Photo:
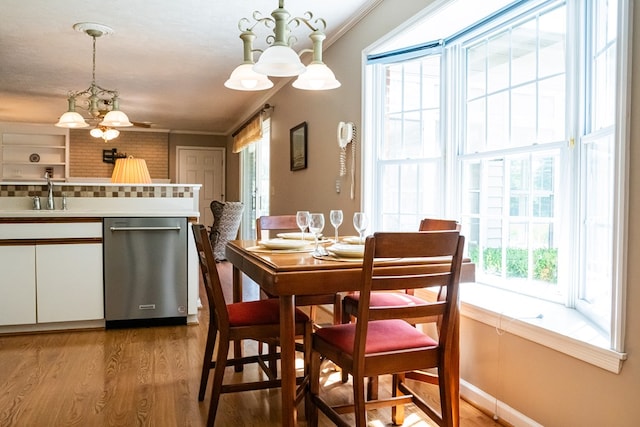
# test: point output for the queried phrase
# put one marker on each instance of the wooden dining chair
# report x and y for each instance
(393, 299)
(282, 223)
(382, 342)
(406, 297)
(254, 320)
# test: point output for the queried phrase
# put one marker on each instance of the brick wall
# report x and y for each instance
(85, 152)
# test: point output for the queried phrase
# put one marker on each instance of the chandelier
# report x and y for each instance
(279, 59)
(102, 104)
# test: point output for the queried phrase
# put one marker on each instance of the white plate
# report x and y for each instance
(283, 244)
(347, 251)
(297, 236)
(354, 240)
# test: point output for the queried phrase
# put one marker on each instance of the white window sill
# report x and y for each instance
(548, 324)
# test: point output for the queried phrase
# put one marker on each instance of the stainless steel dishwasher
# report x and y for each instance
(145, 271)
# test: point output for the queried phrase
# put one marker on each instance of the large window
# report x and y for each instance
(514, 126)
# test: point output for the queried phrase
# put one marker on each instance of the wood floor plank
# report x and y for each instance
(139, 377)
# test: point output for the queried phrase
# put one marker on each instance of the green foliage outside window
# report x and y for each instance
(545, 262)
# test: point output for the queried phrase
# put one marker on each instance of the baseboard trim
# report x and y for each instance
(488, 404)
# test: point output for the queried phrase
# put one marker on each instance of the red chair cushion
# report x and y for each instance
(263, 312)
(386, 299)
(383, 335)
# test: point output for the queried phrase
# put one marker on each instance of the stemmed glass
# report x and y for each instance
(302, 219)
(316, 224)
(360, 223)
(335, 216)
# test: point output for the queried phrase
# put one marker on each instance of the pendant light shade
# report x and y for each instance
(279, 61)
(71, 119)
(317, 77)
(244, 78)
(116, 118)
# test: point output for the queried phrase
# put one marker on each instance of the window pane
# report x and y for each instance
(498, 120)
(476, 71)
(552, 36)
(524, 44)
(410, 192)
(498, 60)
(394, 86)
(551, 110)
(523, 115)
(476, 126)
(598, 228)
(431, 82)
(412, 90)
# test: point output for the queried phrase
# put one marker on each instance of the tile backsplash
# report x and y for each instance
(173, 191)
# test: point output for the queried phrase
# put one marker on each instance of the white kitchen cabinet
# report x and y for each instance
(50, 272)
(69, 282)
(17, 285)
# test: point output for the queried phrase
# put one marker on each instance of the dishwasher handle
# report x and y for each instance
(175, 228)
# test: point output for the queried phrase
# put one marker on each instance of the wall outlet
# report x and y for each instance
(338, 183)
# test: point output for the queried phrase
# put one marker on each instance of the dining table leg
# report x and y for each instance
(237, 297)
(288, 360)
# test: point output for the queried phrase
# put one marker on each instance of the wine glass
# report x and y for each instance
(302, 219)
(360, 222)
(335, 216)
(316, 224)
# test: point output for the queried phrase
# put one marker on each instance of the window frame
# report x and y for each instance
(609, 358)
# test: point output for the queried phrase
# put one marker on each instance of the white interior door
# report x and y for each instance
(205, 166)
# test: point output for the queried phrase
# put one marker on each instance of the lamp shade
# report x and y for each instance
(244, 78)
(317, 77)
(71, 119)
(131, 171)
(115, 118)
(279, 61)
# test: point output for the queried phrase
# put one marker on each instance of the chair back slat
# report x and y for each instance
(418, 272)
(411, 281)
(433, 224)
(414, 245)
(275, 223)
(218, 314)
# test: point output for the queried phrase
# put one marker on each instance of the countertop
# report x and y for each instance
(87, 213)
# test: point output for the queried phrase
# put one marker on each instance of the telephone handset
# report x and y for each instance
(346, 135)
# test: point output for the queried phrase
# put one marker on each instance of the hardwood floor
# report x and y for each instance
(139, 377)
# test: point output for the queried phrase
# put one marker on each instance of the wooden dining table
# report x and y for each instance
(285, 275)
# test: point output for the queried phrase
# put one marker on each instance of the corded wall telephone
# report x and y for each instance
(346, 135)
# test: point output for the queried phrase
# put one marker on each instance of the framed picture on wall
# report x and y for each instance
(298, 146)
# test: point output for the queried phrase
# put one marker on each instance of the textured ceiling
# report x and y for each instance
(168, 59)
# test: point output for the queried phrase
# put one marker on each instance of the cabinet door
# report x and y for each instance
(69, 282)
(17, 285)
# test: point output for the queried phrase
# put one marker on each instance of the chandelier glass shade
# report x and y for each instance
(244, 77)
(104, 132)
(279, 59)
(102, 104)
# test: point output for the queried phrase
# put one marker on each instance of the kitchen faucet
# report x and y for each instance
(50, 201)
